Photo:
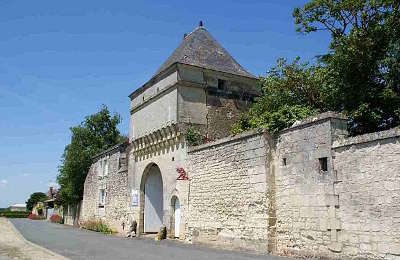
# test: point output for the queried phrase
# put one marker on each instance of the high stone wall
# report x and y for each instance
(228, 201)
(368, 170)
(311, 192)
(305, 196)
(274, 195)
(115, 184)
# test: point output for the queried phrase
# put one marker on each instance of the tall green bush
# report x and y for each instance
(96, 133)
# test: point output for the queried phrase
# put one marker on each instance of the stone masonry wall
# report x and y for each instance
(222, 113)
(311, 191)
(115, 184)
(368, 169)
(228, 201)
(90, 201)
(305, 197)
(167, 158)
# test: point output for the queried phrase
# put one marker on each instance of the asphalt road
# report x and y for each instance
(82, 244)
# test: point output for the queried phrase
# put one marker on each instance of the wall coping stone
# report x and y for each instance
(112, 150)
(366, 138)
(299, 124)
(225, 140)
(314, 119)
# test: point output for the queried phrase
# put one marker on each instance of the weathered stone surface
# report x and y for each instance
(228, 193)
(305, 199)
(115, 184)
(368, 169)
(251, 191)
(162, 234)
(348, 211)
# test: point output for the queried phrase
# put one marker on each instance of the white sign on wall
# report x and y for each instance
(135, 198)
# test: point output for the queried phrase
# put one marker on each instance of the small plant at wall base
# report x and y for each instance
(193, 137)
(98, 226)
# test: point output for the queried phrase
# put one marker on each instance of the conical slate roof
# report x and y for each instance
(200, 49)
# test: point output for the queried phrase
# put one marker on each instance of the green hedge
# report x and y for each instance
(14, 214)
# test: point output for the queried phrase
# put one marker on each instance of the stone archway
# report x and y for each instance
(152, 202)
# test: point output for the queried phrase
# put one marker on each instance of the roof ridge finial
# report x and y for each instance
(201, 23)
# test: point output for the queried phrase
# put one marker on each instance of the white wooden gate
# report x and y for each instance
(153, 204)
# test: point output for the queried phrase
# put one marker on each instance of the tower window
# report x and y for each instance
(221, 84)
(323, 164)
(284, 162)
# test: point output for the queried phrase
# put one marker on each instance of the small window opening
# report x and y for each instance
(158, 90)
(221, 84)
(173, 158)
(143, 98)
(102, 198)
(284, 161)
(323, 164)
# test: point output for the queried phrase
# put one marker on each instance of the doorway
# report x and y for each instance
(153, 200)
(177, 217)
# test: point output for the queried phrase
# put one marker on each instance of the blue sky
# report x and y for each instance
(60, 60)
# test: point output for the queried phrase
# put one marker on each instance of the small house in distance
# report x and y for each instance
(18, 207)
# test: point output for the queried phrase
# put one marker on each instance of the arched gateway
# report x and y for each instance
(153, 199)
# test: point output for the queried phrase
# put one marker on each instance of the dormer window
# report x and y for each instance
(221, 84)
(323, 164)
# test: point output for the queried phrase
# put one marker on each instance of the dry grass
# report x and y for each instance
(97, 225)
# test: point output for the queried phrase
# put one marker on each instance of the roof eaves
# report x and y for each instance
(151, 81)
(212, 69)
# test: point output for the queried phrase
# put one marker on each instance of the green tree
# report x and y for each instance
(290, 92)
(35, 198)
(96, 133)
(364, 57)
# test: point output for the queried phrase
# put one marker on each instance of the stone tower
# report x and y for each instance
(199, 86)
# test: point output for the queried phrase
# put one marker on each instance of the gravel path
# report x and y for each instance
(82, 244)
(14, 246)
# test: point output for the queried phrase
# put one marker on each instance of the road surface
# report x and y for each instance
(14, 247)
(82, 244)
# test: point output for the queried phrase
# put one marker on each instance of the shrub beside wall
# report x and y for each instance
(14, 214)
(56, 219)
(36, 217)
(98, 226)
